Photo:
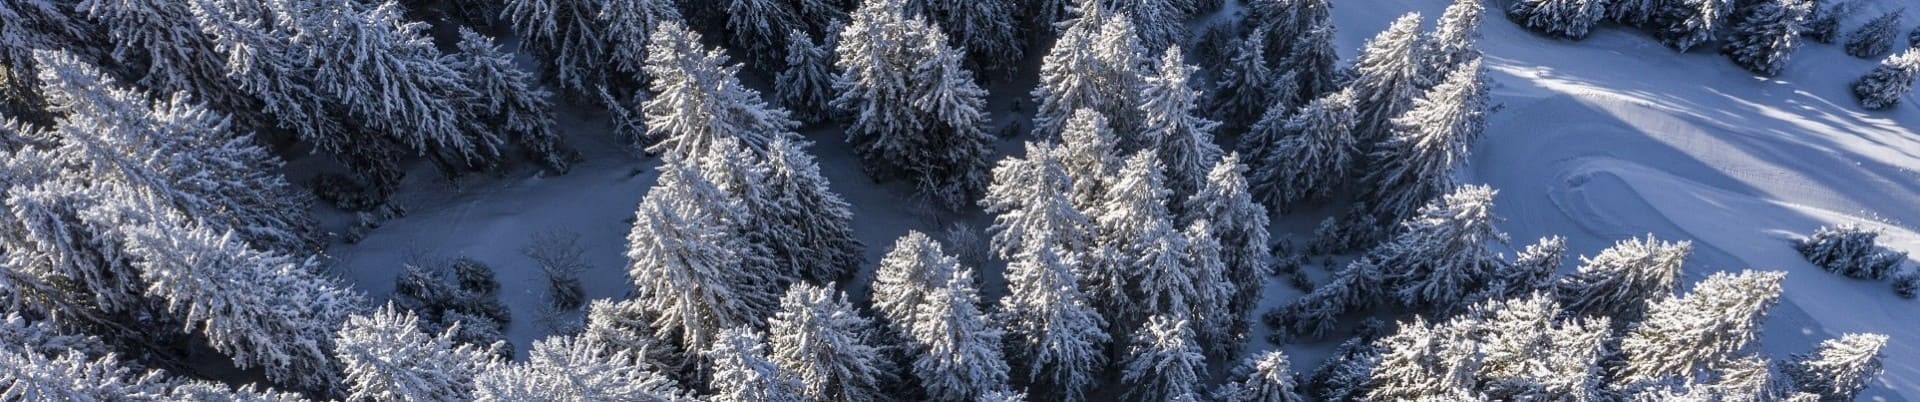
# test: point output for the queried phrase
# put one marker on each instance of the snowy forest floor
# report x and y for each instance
(1599, 140)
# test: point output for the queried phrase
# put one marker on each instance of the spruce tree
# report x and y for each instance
(1720, 318)
(1876, 37)
(386, 356)
(1850, 250)
(1682, 24)
(1134, 223)
(1441, 255)
(1286, 20)
(907, 275)
(1055, 332)
(805, 87)
(567, 368)
(1240, 226)
(1164, 362)
(812, 226)
(1532, 271)
(1090, 155)
(1096, 63)
(1570, 19)
(1182, 140)
(915, 109)
(1890, 81)
(1623, 280)
(697, 100)
(1213, 322)
(1266, 377)
(689, 264)
(1307, 156)
(1386, 79)
(958, 348)
(1765, 34)
(761, 28)
(1454, 41)
(1032, 202)
(1416, 163)
(511, 101)
(1840, 368)
(1823, 22)
(740, 371)
(984, 28)
(829, 348)
(1313, 63)
(1245, 87)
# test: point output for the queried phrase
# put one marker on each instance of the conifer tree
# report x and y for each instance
(741, 371)
(818, 339)
(805, 87)
(697, 100)
(568, 368)
(1441, 255)
(1240, 226)
(690, 266)
(1454, 41)
(1245, 87)
(37, 363)
(1682, 24)
(1090, 155)
(1164, 362)
(1532, 271)
(958, 347)
(761, 28)
(911, 270)
(1850, 250)
(1032, 202)
(812, 226)
(915, 109)
(1876, 37)
(1055, 332)
(1096, 63)
(1286, 20)
(1633, 12)
(31, 25)
(1313, 63)
(1765, 34)
(1266, 377)
(1182, 140)
(1840, 368)
(1623, 280)
(1720, 318)
(160, 46)
(1306, 156)
(1387, 79)
(511, 101)
(1213, 322)
(1135, 224)
(984, 28)
(1416, 163)
(1823, 22)
(1890, 81)
(1570, 19)
(1158, 22)
(386, 356)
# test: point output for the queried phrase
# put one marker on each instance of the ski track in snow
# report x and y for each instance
(1599, 140)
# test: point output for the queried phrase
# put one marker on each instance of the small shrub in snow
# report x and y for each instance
(474, 276)
(1876, 37)
(1907, 284)
(559, 255)
(1887, 83)
(1850, 250)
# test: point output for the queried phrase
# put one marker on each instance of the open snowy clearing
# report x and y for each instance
(1599, 140)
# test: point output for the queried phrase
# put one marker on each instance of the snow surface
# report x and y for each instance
(1598, 140)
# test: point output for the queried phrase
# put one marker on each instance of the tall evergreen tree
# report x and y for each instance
(1307, 156)
(812, 226)
(1182, 140)
(1454, 42)
(1287, 20)
(1245, 87)
(1442, 255)
(1266, 377)
(697, 100)
(1032, 202)
(1135, 224)
(1165, 363)
(1387, 79)
(1570, 19)
(387, 357)
(1682, 24)
(1089, 153)
(1313, 62)
(690, 266)
(1213, 321)
(959, 355)
(805, 87)
(1096, 63)
(568, 368)
(916, 110)
(1416, 163)
(1840, 368)
(907, 276)
(1890, 81)
(1056, 334)
(740, 370)
(1823, 22)
(818, 339)
(984, 28)
(1623, 280)
(1240, 226)
(1765, 34)
(761, 28)
(1876, 37)
(510, 101)
(1719, 319)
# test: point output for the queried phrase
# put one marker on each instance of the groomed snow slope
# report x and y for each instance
(1599, 140)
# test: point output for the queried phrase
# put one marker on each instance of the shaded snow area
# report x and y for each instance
(1598, 140)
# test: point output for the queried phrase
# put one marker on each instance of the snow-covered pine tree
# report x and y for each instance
(1032, 202)
(212, 173)
(1387, 79)
(31, 25)
(985, 28)
(1055, 332)
(1165, 363)
(1097, 63)
(1632, 12)
(1570, 19)
(1415, 165)
(1266, 377)
(761, 28)
(820, 341)
(159, 46)
(1245, 87)
(1426, 361)
(1747, 378)
(1180, 138)
(1313, 62)
(1531, 352)
(1623, 280)
(1823, 22)
(1681, 335)
(690, 265)
(567, 37)
(387, 357)
(1765, 34)
(1682, 24)
(510, 101)
(805, 87)
(625, 331)
(568, 368)
(1090, 155)
(697, 100)
(813, 225)
(1532, 271)
(907, 275)
(1890, 81)
(915, 109)
(1213, 322)
(40, 362)
(1286, 21)
(1840, 368)
(1345, 374)
(958, 347)
(1158, 22)
(1454, 41)
(1876, 37)
(740, 371)
(1850, 250)
(1240, 226)
(1134, 222)
(1308, 156)
(1442, 255)
(263, 309)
